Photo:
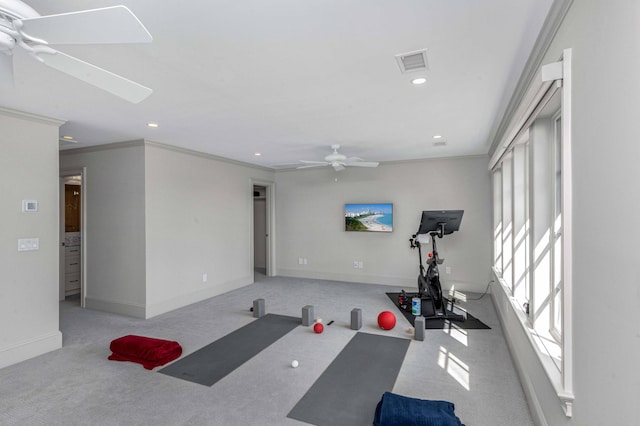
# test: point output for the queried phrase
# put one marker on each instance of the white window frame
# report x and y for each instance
(555, 329)
(561, 377)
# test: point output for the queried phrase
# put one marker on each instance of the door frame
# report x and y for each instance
(82, 172)
(270, 207)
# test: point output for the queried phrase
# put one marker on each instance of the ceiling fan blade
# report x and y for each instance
(319, 163)
(116, 24)
(308, 166)
(363, 164)
(6, 71)
(101, 78)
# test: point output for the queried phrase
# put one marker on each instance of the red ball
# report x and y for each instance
(386, 320)
(318, 328)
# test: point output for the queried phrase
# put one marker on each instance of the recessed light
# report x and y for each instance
(419, 80)
(437, 137)
(154, 125)
(67, 137)
(257, 154)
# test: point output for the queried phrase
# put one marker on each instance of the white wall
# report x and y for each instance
(605, 38)
(606, 102)
(199, 217)
(310, 221)
(115, 228)
(29, 324)
(158, 218)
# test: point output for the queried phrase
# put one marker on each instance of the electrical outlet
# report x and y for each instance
(304, 260)
(360, 264)
(448, 269)
(204, 277)
(300, 261)
(355, 264)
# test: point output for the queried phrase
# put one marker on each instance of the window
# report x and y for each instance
(507, 222)
(531, 227)
(497, 220)
(530, 206)
(556, 270)
(520, 279)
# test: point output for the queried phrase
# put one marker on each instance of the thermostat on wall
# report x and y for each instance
(29, 206)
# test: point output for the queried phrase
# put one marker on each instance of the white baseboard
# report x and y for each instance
(116, 307)
(507, 319)
(27, 349)
(153, 309)
(355, 278)
(407, 283)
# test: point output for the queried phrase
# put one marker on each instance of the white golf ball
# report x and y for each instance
(294, 363)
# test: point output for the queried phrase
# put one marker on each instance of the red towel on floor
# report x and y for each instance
(147, 351)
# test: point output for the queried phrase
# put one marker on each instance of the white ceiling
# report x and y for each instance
(288, 78)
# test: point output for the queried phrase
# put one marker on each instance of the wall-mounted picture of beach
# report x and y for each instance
(377, 217)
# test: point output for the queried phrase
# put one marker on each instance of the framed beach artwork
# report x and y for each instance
(376, 217)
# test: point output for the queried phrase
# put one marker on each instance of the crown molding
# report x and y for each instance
(552, 23)
(204, 155)
(31, 117)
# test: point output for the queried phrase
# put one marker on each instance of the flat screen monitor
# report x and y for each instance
(435, 220)
(371, 217)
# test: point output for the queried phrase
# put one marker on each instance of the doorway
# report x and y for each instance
(263, 247)
(259, 230)
(72, 221)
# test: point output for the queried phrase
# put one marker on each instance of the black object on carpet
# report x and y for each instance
(470, 323)
(213, 362)
(349, 389)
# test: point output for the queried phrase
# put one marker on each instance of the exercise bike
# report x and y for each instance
(435, 224)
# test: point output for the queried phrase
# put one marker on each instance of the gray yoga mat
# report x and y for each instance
(213, 362)
(350, 388)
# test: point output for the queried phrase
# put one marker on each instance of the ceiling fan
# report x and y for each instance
(338, 161)
(22, 26)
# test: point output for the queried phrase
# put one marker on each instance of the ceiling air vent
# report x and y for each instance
(413, 61)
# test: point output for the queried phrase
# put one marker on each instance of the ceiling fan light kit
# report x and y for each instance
(22, 26)
(338, 161)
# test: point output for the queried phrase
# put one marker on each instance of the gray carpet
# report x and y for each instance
(216, 360)
(347, 392)
(77, 385)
